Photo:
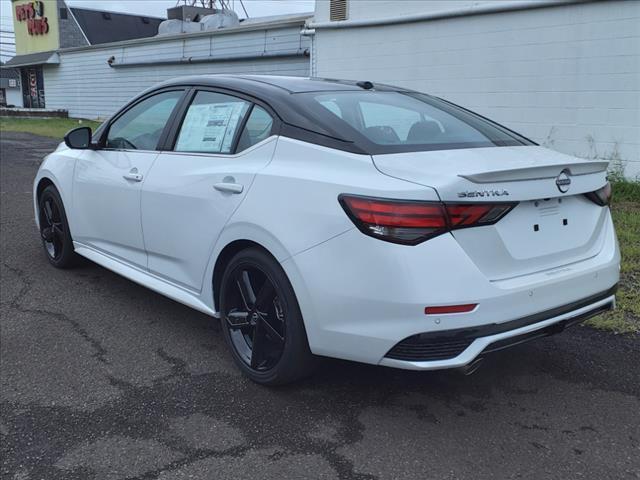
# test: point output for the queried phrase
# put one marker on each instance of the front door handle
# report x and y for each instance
(133, 175)
(229, 187)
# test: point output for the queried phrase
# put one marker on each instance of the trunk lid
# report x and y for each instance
(553, 223)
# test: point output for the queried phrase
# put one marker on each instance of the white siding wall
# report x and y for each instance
(14, 96)
(565, 76)
(85, 85)
(376, 9)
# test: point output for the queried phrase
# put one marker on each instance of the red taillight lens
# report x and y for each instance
(396, 221)
(444, 309)
(471, 215)
(602, 196)
(412, 222)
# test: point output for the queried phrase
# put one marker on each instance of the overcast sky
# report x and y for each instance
(156, 8)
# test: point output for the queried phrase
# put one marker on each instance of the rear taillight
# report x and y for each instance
(602, 196)
(411, 222)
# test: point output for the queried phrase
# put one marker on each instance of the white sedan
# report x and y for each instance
(334, 218)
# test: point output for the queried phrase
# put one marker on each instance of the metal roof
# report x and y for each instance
(39, 58)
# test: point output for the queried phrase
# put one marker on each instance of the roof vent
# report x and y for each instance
(187, 13)
(337, 10)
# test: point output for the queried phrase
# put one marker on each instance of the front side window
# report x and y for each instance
(211, 123)
(140, 127)
(406, 121)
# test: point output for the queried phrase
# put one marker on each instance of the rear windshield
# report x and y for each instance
(407, 121)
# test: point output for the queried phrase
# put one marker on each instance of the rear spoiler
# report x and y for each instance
(537, 173)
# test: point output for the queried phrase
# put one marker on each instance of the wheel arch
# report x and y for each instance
(237, 236)
(42, 183)
(223, 259)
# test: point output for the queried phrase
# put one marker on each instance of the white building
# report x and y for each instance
(90, 62)
(94, 81)
(564, 73)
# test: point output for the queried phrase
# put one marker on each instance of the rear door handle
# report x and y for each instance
(133, 175)
(229, 187)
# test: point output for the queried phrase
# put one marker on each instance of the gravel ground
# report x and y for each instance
(101, 378)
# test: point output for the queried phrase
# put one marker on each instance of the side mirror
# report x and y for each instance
(78, 138)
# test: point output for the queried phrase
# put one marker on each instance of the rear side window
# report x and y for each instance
(257, 128)
(140, 127)
(406, 121)
(211, 123)
(332, 106)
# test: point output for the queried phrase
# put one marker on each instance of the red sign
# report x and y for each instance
(33, 14)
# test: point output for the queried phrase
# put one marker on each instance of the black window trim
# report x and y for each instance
(103, 130)
(180, 114)
(240, 129)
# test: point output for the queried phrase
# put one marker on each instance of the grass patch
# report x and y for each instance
(47, 127)
(626, 191)
(626, 216)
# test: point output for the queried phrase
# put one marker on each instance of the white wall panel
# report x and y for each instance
(566, 76)
(85, 85)
(376, 9)
(14, 96)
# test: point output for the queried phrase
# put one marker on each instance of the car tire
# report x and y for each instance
(54, 229)
(261, 320)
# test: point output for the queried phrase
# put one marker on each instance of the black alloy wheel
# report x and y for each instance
(54, 229)
(261, 319)
(256, 322)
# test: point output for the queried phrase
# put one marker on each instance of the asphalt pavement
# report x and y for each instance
(101, 378)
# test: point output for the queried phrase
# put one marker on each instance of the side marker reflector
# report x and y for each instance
(444, 309)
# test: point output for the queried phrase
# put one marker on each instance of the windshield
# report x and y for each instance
(407, 121)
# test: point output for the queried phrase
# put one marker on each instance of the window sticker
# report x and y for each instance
(210, 127)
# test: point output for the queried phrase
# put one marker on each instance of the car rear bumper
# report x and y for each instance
(461, 347)
(361, 297)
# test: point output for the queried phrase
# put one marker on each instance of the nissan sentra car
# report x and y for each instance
(334, 218)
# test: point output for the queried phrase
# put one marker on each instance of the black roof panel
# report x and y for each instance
(303, 84)
(106, 27)
(270, 83)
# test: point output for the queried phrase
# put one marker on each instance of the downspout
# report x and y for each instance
(313, 71)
